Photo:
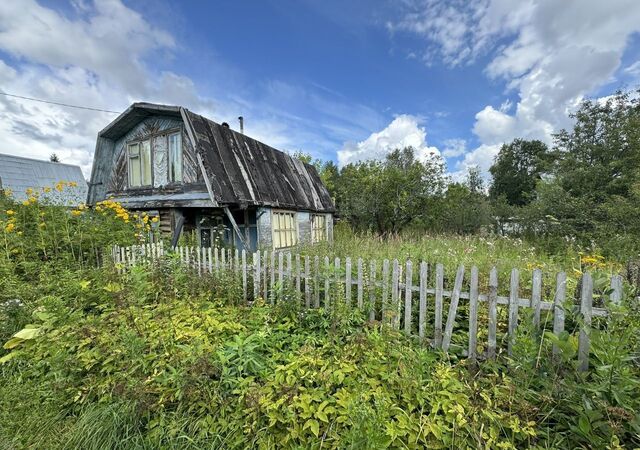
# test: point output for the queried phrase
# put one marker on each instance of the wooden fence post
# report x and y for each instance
(586, 304)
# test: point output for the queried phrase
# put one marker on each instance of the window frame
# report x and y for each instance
(139, 144)
(278, 231)
(168, 135)
(315, 229)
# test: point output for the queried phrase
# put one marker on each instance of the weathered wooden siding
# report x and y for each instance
(153, 127)
(304, 227)
(265, 238)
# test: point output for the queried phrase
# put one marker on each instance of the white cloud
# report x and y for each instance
(95, 59)
(551, 54)
(454, 148)
(403, 131)
(103, 54)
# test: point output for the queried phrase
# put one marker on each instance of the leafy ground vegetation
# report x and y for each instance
(157, 359)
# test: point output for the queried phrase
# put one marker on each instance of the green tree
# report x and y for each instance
(517, 169)
(387, 196)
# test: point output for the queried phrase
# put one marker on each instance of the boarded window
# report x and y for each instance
(285, 230)
(318, 228)
(140, 164)
(175, 158)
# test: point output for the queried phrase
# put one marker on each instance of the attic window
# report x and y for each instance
(175, 158)
(139, 163)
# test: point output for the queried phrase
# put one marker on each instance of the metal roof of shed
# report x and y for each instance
(18, 174)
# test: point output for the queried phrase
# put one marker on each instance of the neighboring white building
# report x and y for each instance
(19, 174)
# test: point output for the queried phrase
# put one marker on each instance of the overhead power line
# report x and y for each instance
(58, 104)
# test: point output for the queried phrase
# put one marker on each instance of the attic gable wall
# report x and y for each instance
(152, 126)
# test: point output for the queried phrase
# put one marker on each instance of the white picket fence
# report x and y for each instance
(398, 295)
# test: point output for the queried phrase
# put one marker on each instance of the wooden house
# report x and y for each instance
(197, 175)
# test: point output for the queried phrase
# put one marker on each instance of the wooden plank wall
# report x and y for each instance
(401, 295)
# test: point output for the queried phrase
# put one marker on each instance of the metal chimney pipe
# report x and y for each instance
(241, 119)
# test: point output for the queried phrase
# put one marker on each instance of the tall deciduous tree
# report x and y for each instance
(517, 169)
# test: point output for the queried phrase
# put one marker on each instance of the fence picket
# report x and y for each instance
(558, 308)
(280, 270)
(297, 276)
(453, 309)
(407, 297)
(536, 294)
(307, 282)
(265, 275)
(256, 275)
(473, 314)
(616, 290)
(244, 275)
(385, 290)
(422, 314)
(586, 305)
(316, 281)
(395, 301)
(438, 305)
(372, 291)
(272, 276)
(360, 286)
(493, 313)
(347, 281)
(327, 281)
(337, 275)
(513, 310)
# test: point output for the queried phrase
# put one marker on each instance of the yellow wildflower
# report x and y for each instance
(29, 191)
(59, 186)
(73, 184)
(25, 203)
(10, 212)
(10, 227)
(76, 212)
(46, 189)
(155, 219)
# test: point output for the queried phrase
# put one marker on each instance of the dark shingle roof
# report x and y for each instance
(244, 170)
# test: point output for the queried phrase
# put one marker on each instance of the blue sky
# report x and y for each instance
(345, 81)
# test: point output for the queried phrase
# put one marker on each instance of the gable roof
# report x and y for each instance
(19, 174)
(239, 169)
